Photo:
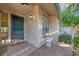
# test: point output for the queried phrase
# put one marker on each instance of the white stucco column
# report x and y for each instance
(53, 27)
(33, 26)
(25, 28)
(9, 27)
(0, 28)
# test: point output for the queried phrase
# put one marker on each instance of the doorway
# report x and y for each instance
(17, 27)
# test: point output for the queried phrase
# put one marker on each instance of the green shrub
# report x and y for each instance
(76, 42)
(66, 38)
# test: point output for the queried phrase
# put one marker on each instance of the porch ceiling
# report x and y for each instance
(50, 8)
(15, 8)
(25, 9)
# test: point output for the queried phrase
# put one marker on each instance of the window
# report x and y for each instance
(45, 27)
(4, 26)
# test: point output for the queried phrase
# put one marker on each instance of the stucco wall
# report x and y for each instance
(32, 32)
(33, 29)
(53, 27)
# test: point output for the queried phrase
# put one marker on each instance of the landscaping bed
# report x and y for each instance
(76, 46)
(65, 38)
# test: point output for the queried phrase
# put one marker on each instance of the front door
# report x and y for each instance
(17, 27)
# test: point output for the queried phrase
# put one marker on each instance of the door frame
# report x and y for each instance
(23, 25)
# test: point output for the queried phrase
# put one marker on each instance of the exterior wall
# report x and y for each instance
(33, 29)
(53, 27)
(9, 24)
(32, 32)
(42, 14)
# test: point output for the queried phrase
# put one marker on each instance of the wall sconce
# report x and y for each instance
(31, 17)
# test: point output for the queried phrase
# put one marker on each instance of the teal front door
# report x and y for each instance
(17, 27)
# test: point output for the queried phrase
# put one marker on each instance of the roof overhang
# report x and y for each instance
(24, 9)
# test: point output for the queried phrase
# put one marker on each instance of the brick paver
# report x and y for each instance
(55, 50)
(26, 49)
(22, 49)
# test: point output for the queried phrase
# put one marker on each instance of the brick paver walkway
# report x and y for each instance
(26, 49)
(22, 49)
(55, 50)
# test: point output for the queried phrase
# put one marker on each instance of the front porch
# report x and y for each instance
(26, 49)
(31, 24)
(19, 22)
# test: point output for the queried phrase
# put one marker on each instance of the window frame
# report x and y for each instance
(45, 28)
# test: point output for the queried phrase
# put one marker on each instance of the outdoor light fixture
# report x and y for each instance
(2, 41)
(31, 17)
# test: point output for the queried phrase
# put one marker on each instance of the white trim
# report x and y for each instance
(24, 28)
(9, 26)
(0, 27)
(56, 31)
(23, 24)
(13, 13)
(9, 21)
